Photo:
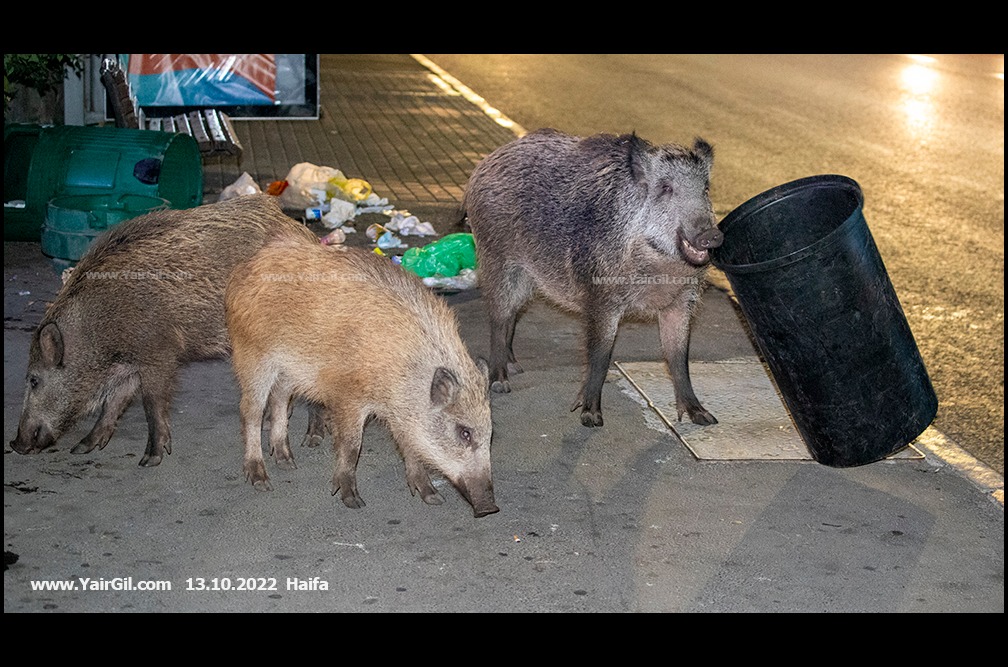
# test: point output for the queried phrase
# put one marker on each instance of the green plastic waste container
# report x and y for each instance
(44, 162)
(74, 221)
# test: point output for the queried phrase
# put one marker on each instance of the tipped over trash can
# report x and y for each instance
(819, 303)
(44, 162)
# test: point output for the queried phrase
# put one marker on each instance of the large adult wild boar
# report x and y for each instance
(146, 298)
(604, 226)
(424, 385)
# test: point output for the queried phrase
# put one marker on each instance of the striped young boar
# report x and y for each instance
(146, 298)
(604, 226)
(424, 385)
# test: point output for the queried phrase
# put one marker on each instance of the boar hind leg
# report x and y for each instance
(156, 389)
(115, 404)
(600, 336)
(505, 295)
(674, 329)
(254, 397)
(348, 432)
(279, 407)
(316, 426)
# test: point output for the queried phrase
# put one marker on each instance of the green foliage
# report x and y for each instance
(41, 71)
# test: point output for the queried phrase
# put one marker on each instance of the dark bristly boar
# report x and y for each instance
(605, 226)
(347, 329)
(146, 298)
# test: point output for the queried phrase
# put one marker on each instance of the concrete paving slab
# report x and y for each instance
(753, 422)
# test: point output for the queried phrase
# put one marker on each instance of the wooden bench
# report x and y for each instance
(211, 128)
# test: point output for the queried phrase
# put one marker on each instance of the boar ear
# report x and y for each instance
(51, 345)
(635, 157)
(444, 387)
(704, 151)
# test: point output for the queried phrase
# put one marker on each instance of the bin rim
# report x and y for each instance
(773, 196)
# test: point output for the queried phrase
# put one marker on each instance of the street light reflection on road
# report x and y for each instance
(919, 81)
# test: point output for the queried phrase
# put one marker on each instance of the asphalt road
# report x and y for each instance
(922, 135)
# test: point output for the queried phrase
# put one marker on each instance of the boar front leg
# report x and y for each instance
(348, 433)
(156, 388)
(601, 324)
(417, 478)
(115, 404)
(674, 330)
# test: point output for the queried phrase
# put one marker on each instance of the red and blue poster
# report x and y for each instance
(203, 79)
(243, 84)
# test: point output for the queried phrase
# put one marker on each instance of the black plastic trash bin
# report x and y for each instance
(815, 293)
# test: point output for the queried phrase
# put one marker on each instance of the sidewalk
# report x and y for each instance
(633, 517)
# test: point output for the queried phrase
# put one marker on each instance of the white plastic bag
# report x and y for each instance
(302, 179)
(339, 212)
(245, 185)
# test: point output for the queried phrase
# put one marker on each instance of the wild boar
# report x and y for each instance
(604, 226)
(423, 384)
(146, 298)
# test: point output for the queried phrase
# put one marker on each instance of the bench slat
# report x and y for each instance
(211, 128)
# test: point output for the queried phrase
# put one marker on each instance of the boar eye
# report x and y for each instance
(464, 434)
(33, 381)
(666, 188)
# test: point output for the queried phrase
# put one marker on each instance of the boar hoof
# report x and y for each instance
(286, 464)
(432, 497)
(352, 500)
(426, 490)
(591, 419)
(83, 447)
(149, 460)
(255, 472)
(698, 415)
(501, 387)
(348, 493)
(514, 368)
(312, 440)
(284, 458)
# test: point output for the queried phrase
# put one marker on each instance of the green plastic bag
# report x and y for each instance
(445, 257)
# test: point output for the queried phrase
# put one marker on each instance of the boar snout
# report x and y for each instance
(696, 249)
(483, 509)
(32, 438)
(482, 500)
(712, 238)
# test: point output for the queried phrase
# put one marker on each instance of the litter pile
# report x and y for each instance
(328, 196)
